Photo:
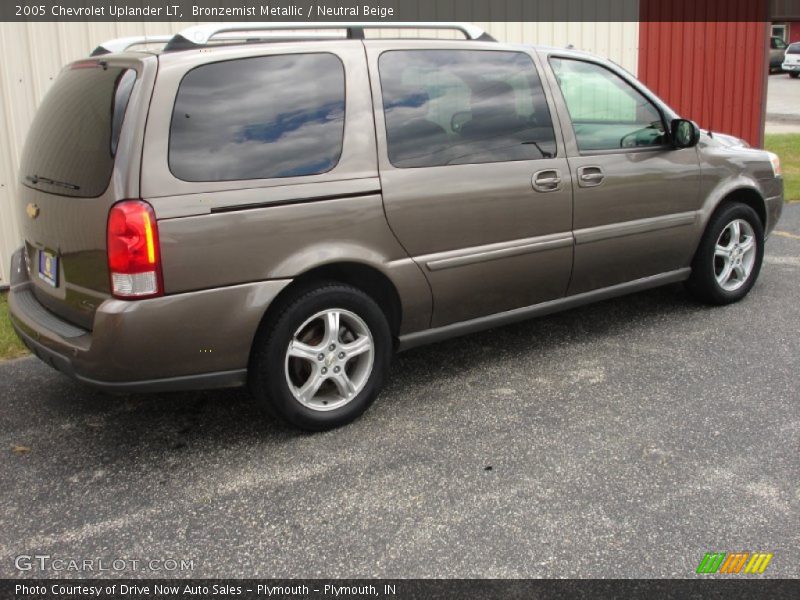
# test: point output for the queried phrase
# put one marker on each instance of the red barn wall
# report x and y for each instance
(794, 32)
(708, 61)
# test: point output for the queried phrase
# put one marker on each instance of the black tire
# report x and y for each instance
(268, 365)
(703, 282)
(794, 75)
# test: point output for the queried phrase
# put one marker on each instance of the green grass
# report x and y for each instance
(787, 146)
(10, 346)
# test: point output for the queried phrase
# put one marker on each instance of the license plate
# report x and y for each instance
(48, 267)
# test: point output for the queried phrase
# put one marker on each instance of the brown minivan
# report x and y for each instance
(250, 206)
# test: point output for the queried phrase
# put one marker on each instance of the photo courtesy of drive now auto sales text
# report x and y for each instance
(112, 590)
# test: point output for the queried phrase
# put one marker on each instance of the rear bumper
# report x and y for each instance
(202, 381)
(196, 340)
(791, 67)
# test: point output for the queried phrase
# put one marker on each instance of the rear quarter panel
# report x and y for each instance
(284, 241)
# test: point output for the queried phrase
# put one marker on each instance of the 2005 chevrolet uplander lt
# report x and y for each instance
(262, 208)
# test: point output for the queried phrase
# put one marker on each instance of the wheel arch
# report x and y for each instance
(749, 196)
(743, 192)
(367, 278)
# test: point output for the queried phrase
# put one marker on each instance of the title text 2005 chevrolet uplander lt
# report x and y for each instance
(261, 208)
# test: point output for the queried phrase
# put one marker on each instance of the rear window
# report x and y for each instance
(73, 139)
(259, 118)
(793, 49)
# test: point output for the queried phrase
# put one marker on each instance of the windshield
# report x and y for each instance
(793, 49)
(73, 139)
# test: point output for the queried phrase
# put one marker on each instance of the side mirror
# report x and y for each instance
(685, 133)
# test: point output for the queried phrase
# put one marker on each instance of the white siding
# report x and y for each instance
(33, 53)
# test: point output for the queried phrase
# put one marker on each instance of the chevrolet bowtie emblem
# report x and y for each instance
(32, 210)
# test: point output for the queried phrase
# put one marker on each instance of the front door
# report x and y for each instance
(475, 181)
(636, 198)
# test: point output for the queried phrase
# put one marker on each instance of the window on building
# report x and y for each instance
(779, 31)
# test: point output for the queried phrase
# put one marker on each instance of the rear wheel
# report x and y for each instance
(324, 359)
(728, 260)
(794, 75)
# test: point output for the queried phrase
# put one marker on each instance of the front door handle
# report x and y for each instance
(548, 180)
(590, 176)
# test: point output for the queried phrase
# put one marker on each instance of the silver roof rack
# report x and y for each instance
(122, 44)
(199, 35)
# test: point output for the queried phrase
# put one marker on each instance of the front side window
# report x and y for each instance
(259, 118)
(449, 107)
(607, 112)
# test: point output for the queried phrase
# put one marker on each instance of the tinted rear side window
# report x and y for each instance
(793, 49)
(449, 107)
(73, 138)
(259, 118)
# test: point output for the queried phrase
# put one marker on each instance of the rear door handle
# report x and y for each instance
(590, 176)
(548, 180)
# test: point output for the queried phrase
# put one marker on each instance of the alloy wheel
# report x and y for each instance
(734, 255)
(329, 359)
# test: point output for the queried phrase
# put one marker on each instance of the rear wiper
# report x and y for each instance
(36, 179)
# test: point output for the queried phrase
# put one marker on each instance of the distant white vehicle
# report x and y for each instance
(791, 61)
(777, 51)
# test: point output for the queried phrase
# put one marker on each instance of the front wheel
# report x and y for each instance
(729, 257)
(323, 360)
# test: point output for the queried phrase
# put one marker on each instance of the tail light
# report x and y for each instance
(134, 260)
